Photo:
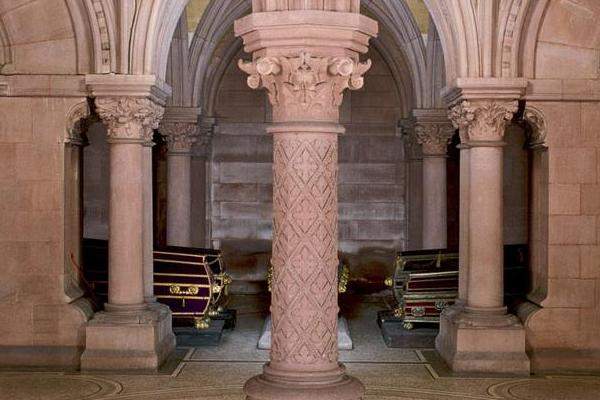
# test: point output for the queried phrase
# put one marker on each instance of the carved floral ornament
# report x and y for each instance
(482, 120)
(180, 136)
(434, 137)
(306, 85)
(129, 118)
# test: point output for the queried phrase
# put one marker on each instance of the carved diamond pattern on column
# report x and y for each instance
(305, 249)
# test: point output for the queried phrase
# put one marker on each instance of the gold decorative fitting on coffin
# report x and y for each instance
(191, 290)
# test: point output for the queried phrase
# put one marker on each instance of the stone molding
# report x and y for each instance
(129, 119)
(140, 86)
(180, 136)
(482, 121)
(305, 87)
(434, 137)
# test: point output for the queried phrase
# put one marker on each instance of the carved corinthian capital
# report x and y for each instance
(129, 118)
(305, 87)
(482, 120)
(434, 137)
(180, 136)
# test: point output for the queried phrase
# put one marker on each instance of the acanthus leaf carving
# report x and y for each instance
(482, 120)
(129, 118)
(305, 87)
(434, 137)
(180, 136)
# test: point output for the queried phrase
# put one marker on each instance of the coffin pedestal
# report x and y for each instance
(344, 339)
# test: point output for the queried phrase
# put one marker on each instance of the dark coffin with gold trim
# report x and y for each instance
(191, 281)
(424, 284)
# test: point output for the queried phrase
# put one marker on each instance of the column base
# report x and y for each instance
(299, 386)
(138, 340)
(473, 342)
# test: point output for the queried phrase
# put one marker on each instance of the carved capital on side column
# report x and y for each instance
(76, 124)
(434, 137)
(482, 120)
(536, 127)
(129, 119)
(180, 136)
(305, 87)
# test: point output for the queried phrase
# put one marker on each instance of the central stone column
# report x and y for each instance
(434, 131)
(305, 84)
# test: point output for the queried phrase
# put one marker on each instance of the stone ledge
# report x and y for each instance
(61, 357)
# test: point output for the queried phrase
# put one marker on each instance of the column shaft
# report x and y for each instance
(434, 202)
(125, 286)
(463, 234)
(179, 199)
(148, 237)
(304, 300)
(486, 259)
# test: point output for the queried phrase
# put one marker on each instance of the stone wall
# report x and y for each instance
(372, 206)
(41, 317)
(564, 333)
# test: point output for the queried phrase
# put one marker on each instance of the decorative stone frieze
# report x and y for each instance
(305, 87)
(180, 136)
(482, 120)
(434, 137)
(129, 118)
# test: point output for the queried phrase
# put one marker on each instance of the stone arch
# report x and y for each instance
(487, 39)
(213, 41)
(30, 33)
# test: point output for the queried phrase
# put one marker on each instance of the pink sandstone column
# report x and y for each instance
(434, 137)
(305, 85)
(129, 122)
(479, 335)
(148, 234)
(129, 334)
(484, 135)
(463, 240)
(180, 139)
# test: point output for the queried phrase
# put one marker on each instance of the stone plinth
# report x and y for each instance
(128, 341)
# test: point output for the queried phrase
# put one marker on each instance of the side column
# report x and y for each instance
(482, 336)
(180, 139)
(128, 334)
(305, 85)
(434, 132)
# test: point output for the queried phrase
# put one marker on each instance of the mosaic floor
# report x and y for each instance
(213, 373)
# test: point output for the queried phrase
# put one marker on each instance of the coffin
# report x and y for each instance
(425, 282)
(191, 281)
